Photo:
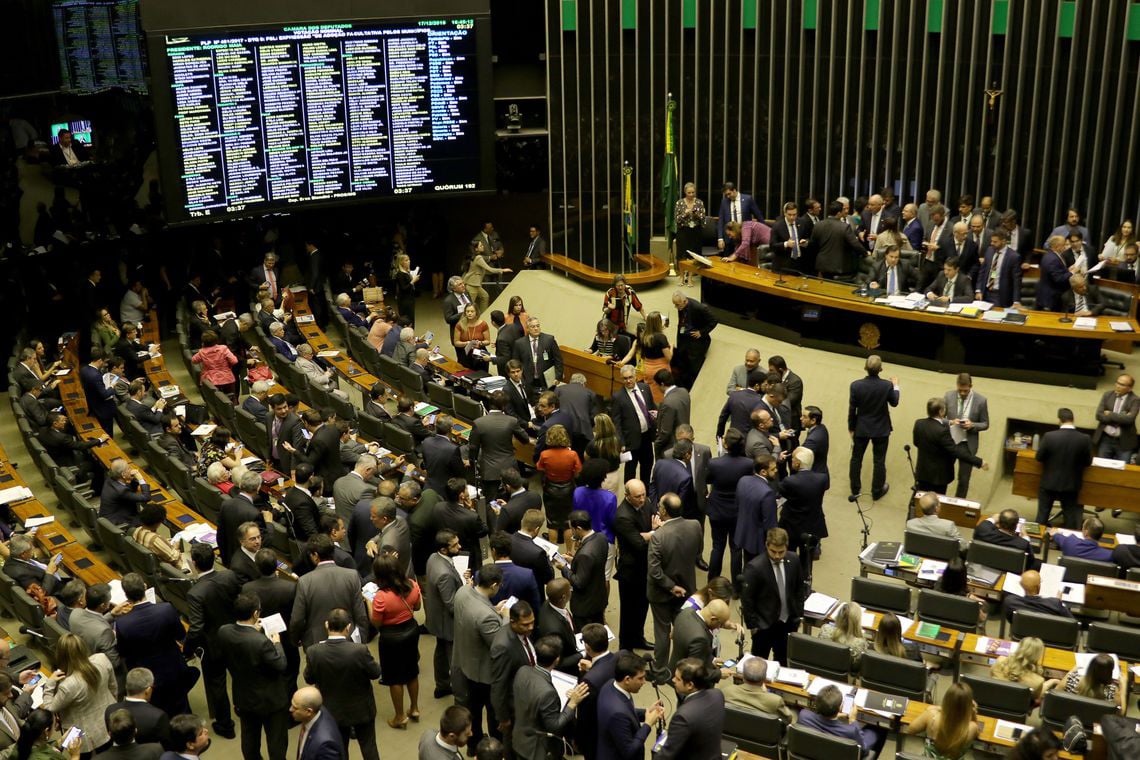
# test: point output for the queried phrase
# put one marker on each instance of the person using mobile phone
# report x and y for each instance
(34, 741)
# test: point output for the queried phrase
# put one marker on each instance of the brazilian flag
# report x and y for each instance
(628, 212)
(670, 184)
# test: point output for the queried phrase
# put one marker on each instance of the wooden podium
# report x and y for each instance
(1102, 593)
(1103, 486)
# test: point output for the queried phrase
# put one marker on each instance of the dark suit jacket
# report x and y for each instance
(905, 275)
(413, 425)
(587, 574)
(557, 417)
(748, 210)
(63, 447)
(520, 582)
(25, 574)
(549, 356)
(100, 398)
(150, 420)
(673, 551)
(737, 411)
(492, 443)
(673, 410)
(673, 476)
(526, 553)
(451, 310)
(783, 257)
(324, 741)
(760, 598)
(1041, 604)
(694, 317)
(151, 723)
(550, 622)
(623, 411)
(696, 727)
(510, 516)
(724, 473)
(507, 656)
(135, 751)
(967, 261)
(520, 405)
(633, 550)
(691, 638)
(323, 453)
(988, 532)
(442, 460)
(243, 567)
(466, 523)
(837, 248)
(505, 344)
(538, 712)
(803, 508)
(1093, 302)
(257, 667)
(290, 432)
(276, 595)
(818, 440)
(256, 408)
(120, 502)
(867, 412)
(581, 404)
(1065, 454)
(755, 513)
(176, 450)
(78, 148)
(1009, 280)
(211, 601)
(598, 677)
(344, 671)
(38, 416)
(1052, 282)
(621, 733)
(150, 636)
(937, 452)
(306, 514)
(962, 292)
(234, 511)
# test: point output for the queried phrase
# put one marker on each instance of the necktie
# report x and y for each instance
(736, 210)
(529, 650)
(961, 406)
(795, 240)
(779, 572)
(463, 300)
(569, 618)
(949, 289)
(993, 279)
(933, 239)
(271, 278)
(300, 742)
(891, 289)
(534, 354)
(641, 405)
(276, 431)
(1080, 302)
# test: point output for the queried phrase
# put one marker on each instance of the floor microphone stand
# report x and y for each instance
(854, 498)
(913, 484)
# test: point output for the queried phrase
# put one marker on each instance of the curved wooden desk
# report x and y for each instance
(652, 270)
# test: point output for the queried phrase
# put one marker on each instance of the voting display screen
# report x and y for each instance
(304, 114)
(99, 45)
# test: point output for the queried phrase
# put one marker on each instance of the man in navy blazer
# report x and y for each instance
(518, 581)
(150, 636)
(911, 226)
(100, 398)
(319, 738)
(675, 476)
(869, 421)
(816, 439)
(756, 506)
(602, 661)
(547, 409)
(735, 206)
(623, 728)
(999, 277)
(1055, 274)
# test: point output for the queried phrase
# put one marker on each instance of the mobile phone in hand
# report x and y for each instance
(74, 734)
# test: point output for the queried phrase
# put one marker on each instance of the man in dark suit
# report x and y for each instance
(150, 419)
(1064, 455)
(632, 529)
(36, 410)
(521, 398)
(999, 276)
(506, 333)
(538, 709)
(755, 506)
(1032, 601)
(817, 440)
(1082, 299)
(581, 403)
(242, 507)
(249, 544)
(277, 595)
(587, 571)
(344, 670)
(737, 410)
(674, 548)
(322, 450)
(266, 273)
(1020, 237)
(457, 513)
(675, 475)
(407, 419)
(793, 390)
(442, 458)
(772, 597)
(150, 637)
(869, 421)
(1053, 274)
(694, 632)
(100, 398)
(557, 620)
(320, 737)
(283, 427)
(68, 152)
(539, 355)
(694, 324)
(961, 245)
(455, 301)
(492, 443)
(937, 451)
(526, 553)
(837, 248)
(696, 727)
(951, 286)
(603, 662)
(632, 408)
(623, 728)
(518, 581)
(69, 450)
(803, 491)
(548, 411)
(255, 402)
(305, 512)
(211, 602)
(123, 491)
(1001, 529)
(511, 649)
(151, 724)
(535, 249)
(789, 242)
(124, 744)
(256, 664)
(735, 206)
(674, 410)
(171, 442)
(891, 275)
(1115, 436)
(519, 499)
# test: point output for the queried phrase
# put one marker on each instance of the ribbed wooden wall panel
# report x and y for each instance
(798, 98)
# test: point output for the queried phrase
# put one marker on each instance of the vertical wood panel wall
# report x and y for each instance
(798, 98)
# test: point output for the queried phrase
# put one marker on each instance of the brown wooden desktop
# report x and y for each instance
(1103, 487)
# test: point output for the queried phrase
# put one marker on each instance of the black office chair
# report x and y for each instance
(411, 383)
(370, 427)
(389, 370)
(1057, 706)
(399, 440)
(1055, 631)
(819, 657)
(1120, 640)
(1000, 699)
(753, 731)
(440, 396)
(158, 460)
(934, 547)
(31, 616)
(467, 408)
(53, 631)
(894, 675)
(111, 536)
(172, 585)
(183, 482)
(809, 744)
(140, 559)
(7, 586)
(251, 433)
(881, 596)
(958, 612)
(1004, 558)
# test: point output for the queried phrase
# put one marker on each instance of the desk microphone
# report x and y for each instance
(853, 498)
(906, 447)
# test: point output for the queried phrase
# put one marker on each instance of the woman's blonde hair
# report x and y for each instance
(606, 440)
(957, 717)
(888, 636)
(653, 325)
(848, 624)
(1025, 659)
(74, 658)
(557, 438)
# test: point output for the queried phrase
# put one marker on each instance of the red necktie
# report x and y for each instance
(300, 741)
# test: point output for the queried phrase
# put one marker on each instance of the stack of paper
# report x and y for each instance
(273, 624)
(992, 316)
(203, 430)
(1111, 464)
(1084, 323)
(304, 319)
(1051, 577)
(327, 354)
(369, 590)
(35, 522)
(792, 676)
(820, 605)
(993, 647)
(1126, 538)
(1120, 326)
(819, 684)
(15, 494)
(200, 532)
(461, 562)
(931, 570)
(563, 683)
(169, 391)
(982, 305)
(118, 596)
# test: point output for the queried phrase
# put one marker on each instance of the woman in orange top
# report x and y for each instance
(516, 311)
(470, 333)
(396, 599)
(558, 464)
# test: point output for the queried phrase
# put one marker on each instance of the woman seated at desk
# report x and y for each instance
(889, 639)
(1097, 682)
(1023, 666)
(950, 728)
(847, 629)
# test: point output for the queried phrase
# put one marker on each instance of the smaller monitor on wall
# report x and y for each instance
(80, 131)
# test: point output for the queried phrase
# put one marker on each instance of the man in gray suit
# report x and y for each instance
(537, 706)
(394, 532)
(476, 623)
(694, 631)
(671, 412)
(581, 403)
(739, 379)
(354, 487)
(928, 520)
(674, 549)
(326, 588)
(492, 443)
(968, 414)
(454, 734)
(443, 581)
(92, 619)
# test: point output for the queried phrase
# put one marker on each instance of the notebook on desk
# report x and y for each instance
(982, 575)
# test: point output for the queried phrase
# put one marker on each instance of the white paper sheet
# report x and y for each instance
(273, 624)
